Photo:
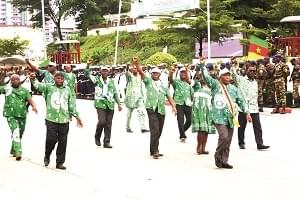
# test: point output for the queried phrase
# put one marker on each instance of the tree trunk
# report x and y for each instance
(60, 36)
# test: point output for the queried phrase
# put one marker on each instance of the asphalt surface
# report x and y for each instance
(128, 172)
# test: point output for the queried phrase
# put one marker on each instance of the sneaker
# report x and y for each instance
(144, 131)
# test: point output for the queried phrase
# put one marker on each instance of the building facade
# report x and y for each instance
(11, 16)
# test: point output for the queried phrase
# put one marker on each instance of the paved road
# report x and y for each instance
(128, 172)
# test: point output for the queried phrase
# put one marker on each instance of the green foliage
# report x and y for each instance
(142, 44)
(10, 47)
(161, 57)
(195, 23)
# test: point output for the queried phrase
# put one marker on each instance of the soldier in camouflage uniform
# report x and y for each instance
(295, 77)
(269, 83)
(281, 71)
(260, 76)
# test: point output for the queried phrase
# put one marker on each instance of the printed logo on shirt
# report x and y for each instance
(58, 101)
(98, 92)
(219, 101)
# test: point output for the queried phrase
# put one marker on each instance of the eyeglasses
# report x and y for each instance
(252, 70)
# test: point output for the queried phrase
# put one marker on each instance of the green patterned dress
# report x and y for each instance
(201, 110)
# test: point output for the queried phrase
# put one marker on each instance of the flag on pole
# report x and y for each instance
(258, 48)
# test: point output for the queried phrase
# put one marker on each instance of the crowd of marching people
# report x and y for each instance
(208, 98)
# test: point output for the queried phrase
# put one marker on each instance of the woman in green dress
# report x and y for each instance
(201, 113)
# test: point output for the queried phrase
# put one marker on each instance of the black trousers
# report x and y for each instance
(56, 133)
(183, 111)
(156, 124)
(105, 117)
(256, 127)
(224, 142)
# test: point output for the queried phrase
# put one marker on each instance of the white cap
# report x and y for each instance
(182, 69)
(51, 64)
(105, 67)
(156, 69)
(224, 71)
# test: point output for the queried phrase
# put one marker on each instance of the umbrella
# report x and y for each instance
(12, 61)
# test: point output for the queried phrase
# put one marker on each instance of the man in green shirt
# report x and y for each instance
(183, 98)
(155, 106)
(70, 79)
(105, 97)
(15, 111)
(134, 98)
(60, 104)
(47, 74)
(225, 98)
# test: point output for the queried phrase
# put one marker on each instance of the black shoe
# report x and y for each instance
(226, 166)
(262, 147)
(242, 146)
(260, 109)
(218, 164)
(60, 166)
(98, 143)
(128, 130)
(159, 154)
(107, 146)
(18, 158)
(144, 130)
(46, 161)
(156, 155)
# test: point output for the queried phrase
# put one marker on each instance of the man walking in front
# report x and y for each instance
(61, 104)
(225, 96)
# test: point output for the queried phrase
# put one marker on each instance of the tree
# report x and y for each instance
(91, 12)
(10, 47)
(55, 10)
(196, 23)
(160, 57)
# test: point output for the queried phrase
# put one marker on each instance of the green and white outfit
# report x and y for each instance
(15, 111)
(106, 96)
(183, 93)
(60, 105)
(201, 110)
(48, 77)
(60, 102)
(222, 117)
(134, 99)
(70, 81)
(155, 105)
